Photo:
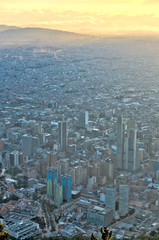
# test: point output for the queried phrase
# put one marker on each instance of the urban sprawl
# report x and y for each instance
(79, 143)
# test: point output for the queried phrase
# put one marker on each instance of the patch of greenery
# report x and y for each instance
(3, 234)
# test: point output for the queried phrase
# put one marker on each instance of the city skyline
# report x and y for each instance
(97, 17)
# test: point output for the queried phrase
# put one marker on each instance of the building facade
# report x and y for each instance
(62, 135)
(52, 179)
(123, 199)
(66, 183)
(120, 143)
(110, 199)
(58, 195)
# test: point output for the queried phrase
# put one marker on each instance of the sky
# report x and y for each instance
(83, 16)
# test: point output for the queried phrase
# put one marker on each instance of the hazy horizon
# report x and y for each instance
(4, 27)
(118, 17)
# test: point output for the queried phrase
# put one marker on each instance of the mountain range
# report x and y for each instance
(37, 36)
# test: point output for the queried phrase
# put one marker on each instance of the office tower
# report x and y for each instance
(16, 159)
(149, 146)
(110, 168)
(36, 128)
(51, 181)
(132, 156)
(123, 199)
(65, 166)
(78, 174)
(62, 134)
(84, 174)
(73, 175)
(35, 143)
(58, 195)
(120, 143)
(110, 199)
(27, 145)
(30, 144)
(83, 118)
(66, 183)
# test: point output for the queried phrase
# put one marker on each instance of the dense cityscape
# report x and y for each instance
(79, 139)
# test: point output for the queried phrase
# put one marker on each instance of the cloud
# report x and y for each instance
(80, 22)
(151, 2)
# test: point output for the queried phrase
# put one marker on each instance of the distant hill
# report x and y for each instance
(37, 36)
(5, 27)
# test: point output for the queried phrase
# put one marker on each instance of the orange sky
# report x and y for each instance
(83, 16)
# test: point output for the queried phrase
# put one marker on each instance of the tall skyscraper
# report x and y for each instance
(51, 181)
(29, 144)
(66, 183)
(123, 199)
(62, 134)
(127, 153)
(110, 199)
(27, 148)
(132, 158)
(58, 194)
(120, 143)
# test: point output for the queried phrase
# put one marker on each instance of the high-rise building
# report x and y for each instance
(29, 144)
(35, 143)
(123, 199)
(51, 158)
(62, 134)
(83, 118)
(78, 174)
(65, 166)
(110, 199)
(66, 183)
(16, 159)
(58, 195)
(84, 174)
(36, 128)
(51, 181)
(149, 147)
(127, 152)
(132, 156)
(120, 143)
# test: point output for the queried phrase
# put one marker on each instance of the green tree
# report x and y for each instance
(3, 234)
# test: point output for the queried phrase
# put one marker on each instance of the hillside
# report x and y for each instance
(13, 35)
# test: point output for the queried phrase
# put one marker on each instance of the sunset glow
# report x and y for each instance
(83, 16)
